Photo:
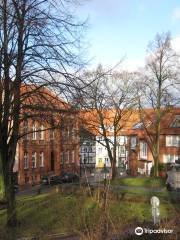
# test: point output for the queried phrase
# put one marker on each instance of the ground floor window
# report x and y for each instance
(25, 160)
(41, 159)
(170, 158)
(34, 160)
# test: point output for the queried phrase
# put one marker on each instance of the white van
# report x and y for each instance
(173, 178)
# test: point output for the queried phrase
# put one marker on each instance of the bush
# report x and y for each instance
(162, 167)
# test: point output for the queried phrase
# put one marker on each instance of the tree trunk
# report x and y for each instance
(9, 189)
(2, 190)
(156, 169)
(114, 173)
(11, 203)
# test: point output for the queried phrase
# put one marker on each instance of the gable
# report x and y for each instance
(176, 122)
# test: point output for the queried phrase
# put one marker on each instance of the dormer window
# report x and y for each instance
(176, 122)
(138, 125)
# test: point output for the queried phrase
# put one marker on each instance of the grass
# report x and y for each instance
(1, 187)
(147, 182)
(61, 213)
(50, 213)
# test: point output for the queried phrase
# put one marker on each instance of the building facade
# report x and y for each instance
(48, 143)
(134, 148)
(87, 152)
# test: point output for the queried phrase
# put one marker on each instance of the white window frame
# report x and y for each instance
(25, 160)
(34, 159)
(42, 133)
(133, 142)
(170, 158)
(143, 151)
(122, 151)
(34, 133)
(73, 155)
(41, 159)
(172, 140)
(73, 134)
(122, 140)
(51, 134)
(67, 156)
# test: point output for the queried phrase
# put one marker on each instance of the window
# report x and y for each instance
(143, 150)
(62, 157)
(111, 128)
(67, 156)
(41, 134)
(100, 129)
(34, 131)
(172, 141)
(67, 134)
(138, 125)
(41, 159)
(90, 149)
(170, 158)
(85, 160)
(122, 140)
(87, 143)
(100, 138)
(73, 155)
(122, 151)
(73, 134)
(106, 160)
(34, 160)
(25, 160)
(176, 122)
(25, 129)
(99, 150)
(51, 134)
(133, 142)
(90, 159)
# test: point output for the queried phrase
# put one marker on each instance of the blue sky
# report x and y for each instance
(120, 28)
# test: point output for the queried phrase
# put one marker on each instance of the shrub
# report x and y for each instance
(162, 167)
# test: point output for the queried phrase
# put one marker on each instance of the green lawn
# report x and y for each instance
(1, 187)
(148, 182)
(61, 213)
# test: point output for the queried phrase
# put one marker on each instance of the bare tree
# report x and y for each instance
(39, 47)
(107, 105)
(157, 90)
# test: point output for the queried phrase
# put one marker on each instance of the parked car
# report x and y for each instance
(173, 178)
(55, 180)
(45, 180)
(69, 177)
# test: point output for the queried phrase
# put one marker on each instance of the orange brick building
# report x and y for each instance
(138, 147)
(141, 159)
(49, 141)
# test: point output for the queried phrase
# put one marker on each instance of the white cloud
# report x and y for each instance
(176, 44)
(176, 14)
(132, 64)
